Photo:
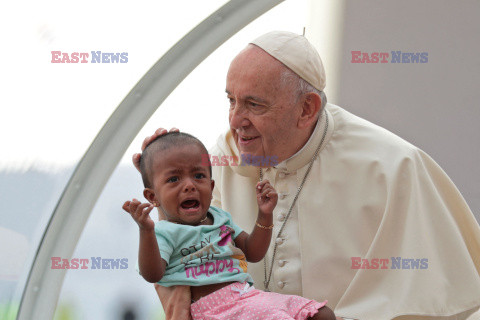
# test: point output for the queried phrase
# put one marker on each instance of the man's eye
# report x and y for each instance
(231, 101)
(199, 176)
(172, 179)
(253, 104)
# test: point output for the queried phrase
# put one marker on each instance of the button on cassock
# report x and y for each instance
(281, 175)
(281, 284)
(281, 217)
(279, 241)
(281, 263)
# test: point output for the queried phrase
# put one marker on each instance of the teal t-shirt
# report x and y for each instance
(201, 255)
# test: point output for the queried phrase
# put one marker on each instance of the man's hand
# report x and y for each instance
(146, 142)
(176, 301)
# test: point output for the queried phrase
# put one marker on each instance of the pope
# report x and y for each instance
(347, 189)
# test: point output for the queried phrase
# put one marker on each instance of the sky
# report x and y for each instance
(51, 112)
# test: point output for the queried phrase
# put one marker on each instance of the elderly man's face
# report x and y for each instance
(263, 111)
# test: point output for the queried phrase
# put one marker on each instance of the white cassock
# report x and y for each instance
(370, 195)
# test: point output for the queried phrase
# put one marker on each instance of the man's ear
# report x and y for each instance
(212, 184)
(149, 194)
(311, 105)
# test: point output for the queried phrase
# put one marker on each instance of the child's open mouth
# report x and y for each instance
(190, 204)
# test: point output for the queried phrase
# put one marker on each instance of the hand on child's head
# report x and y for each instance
(160, 131)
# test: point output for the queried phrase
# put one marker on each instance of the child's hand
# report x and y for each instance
(140, 213)
(266, 197)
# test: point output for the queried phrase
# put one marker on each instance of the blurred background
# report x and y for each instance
(51, 112)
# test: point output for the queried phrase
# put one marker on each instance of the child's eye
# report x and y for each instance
(199, 176)
(172, 179)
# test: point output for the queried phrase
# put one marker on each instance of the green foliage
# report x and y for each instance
(9, 311)
(64, 312)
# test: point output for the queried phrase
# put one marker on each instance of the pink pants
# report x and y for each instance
(241, 301)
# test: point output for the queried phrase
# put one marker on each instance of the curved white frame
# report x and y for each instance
(94, 169)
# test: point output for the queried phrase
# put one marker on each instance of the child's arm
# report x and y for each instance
(255, 245)
(152, 266)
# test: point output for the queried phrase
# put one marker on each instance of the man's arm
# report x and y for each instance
(175, 301)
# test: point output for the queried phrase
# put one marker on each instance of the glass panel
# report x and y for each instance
(28, 197)
(51, 112)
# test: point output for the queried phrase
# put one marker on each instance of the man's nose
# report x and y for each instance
(238, 117)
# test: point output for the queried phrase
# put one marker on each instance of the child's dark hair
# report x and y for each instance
(163, 142)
